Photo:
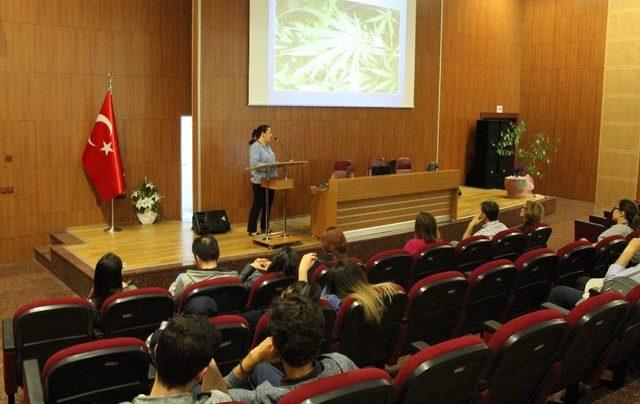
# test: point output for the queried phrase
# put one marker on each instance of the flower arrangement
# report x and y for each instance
(146, 198)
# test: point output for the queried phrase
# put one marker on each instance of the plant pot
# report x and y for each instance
(518, 187)
(147, 217)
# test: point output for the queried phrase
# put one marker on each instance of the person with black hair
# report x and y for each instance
(286, 261)
(184, 357)
(488, 218)
(107, 280)
(206, 253)
(622, 215)
(260, 152)
(297, 331)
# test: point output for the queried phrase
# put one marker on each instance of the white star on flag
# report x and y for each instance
(106, 148)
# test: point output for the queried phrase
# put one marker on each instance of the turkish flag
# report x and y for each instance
(101, 157)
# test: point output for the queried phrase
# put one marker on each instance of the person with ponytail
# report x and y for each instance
(260, 152)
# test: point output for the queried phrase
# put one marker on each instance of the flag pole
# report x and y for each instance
(113, 228)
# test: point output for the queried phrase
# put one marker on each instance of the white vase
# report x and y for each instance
(147, 217)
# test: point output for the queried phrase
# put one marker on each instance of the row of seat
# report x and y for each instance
(524, 360)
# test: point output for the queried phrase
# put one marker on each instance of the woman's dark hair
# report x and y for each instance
(257, 132)
(286, 260)
(629, 209)
(107, 278)
(426, 227)
(334, 242)
(300, 288)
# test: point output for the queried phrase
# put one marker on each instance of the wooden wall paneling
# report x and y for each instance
(54, 61)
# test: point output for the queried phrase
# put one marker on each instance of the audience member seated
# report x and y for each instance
(206, 253)
(286, 260)
(568, 297)
(532, 214)
(623, 215)
(347, 278)
(297, 330)
(184, 358)
(426, 233)
(107, 280)
(488, 218)
(334, 247)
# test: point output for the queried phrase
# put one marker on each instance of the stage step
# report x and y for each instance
(62, 237)
(43, 256)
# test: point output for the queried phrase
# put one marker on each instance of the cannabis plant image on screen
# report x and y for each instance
(336, 46)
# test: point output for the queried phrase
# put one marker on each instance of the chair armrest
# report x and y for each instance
(549, 305)
(32, 384)
(491, 326)
(98, 333)
(418, 346)
(8, 341)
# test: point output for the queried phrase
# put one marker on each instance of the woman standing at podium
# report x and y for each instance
(260, 152)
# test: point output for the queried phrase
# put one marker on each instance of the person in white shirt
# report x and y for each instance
(488, 219)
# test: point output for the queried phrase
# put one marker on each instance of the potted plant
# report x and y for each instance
(146, 202)
(532, 156)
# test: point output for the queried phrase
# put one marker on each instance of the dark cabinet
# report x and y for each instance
(488, 169)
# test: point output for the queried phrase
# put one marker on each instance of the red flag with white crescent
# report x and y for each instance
(101, 157)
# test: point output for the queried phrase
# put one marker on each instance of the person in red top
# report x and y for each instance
(426, 233)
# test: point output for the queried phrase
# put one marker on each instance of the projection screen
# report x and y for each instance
(348, 53)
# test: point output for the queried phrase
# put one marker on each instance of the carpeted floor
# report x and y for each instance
(28, 281)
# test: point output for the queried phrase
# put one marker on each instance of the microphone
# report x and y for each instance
(283, 148)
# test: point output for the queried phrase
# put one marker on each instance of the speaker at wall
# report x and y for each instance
(210, 222)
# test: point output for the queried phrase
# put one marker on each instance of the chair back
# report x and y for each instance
(403, 165)
(629, 340)
(371, 386)
(607, 252)
(104, 371)
(536, 271)
(434, 259)
(266, 288)
(235, 341)
(508, 244)
(228, 292)
(473, 252)
(538, 237)
(389, 266)
(575, 259)
(524, 350)
(489, 288)
(363, 342)
(136, 313)
(456, 365)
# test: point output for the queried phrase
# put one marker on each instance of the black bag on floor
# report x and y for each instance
(210, 222)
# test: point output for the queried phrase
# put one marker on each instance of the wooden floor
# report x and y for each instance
(169, 242)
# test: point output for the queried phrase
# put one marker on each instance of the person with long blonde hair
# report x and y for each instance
(532, 214)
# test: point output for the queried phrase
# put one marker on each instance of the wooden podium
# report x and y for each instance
(277, 239)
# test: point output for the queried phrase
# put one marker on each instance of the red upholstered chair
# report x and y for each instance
(136, 313)
(262, 330)
(38, 330)
(434, 309)
(538, 236)
(489, 288)
(389, 266)
(508, 244)
(228, 292)
(235, 340)
(343, 169)
(632, 235)
(473, 252)
(104, 371)
(266, 288)
(524, 350)
(536, 271)
(607, 252)
(627, 343)
(437, 257)
(403, 165)
(448, 372)
(357, 386)
(575, 259)
(593, 325)
(365, 343)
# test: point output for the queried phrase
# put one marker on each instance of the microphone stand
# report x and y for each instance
(286, 176)
(284, 149)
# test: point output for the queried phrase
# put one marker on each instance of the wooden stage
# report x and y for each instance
(154, 254)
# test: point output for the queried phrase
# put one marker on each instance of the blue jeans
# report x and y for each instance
(567, 297)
